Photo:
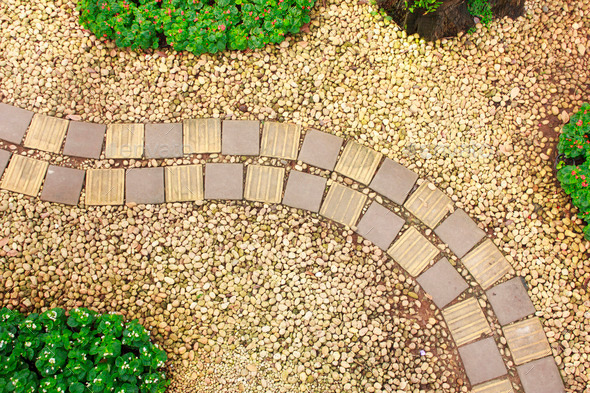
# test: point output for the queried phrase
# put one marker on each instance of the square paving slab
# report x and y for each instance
(24, 175)
(280, 140)
(394, 181)
(541, 376)
(304, 191)
(240, 137)
(343, 205)
(380, 225)
(486, 263)
(144, 185)
(320, 149)
(510, 301)
(466, 321)
(442, 282)
(413, 251)
(358, 162)
(184, 183)
(4, 158)
(526, 340)
(429, 204)
(495, 386)
(124, 141)
(459, 232)
(482, 361)
(264, 183)
(14, 123)
(46, 133)
(224, 181)
(84, 139)
(202, 136)
(105, 186)
(163, 140)
(63, 185)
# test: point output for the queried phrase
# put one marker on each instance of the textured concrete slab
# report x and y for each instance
(380, 225)
(541, 376)
(63, 185)
(413, 251)
(105, 186)
(144, 185)
(224, 181)
(358, 162)
(495, 386)
(459, 232)
(84, 139)
(304, 191)
(394, 181)
(510, 301)
(429, 204)
(4, 158)
(320, 149)
(14, 123)
(240, 137)
(124, 141)
(526, 340)
(46, 133)
(184, 183)
(343, 204)
(466, 321)
(163, 140)
(24, 175)
(202, 136)
(280, 140)
(442, 282)
(264, 183)
(482, 361)
(486, 263)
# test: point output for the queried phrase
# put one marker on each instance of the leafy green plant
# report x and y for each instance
(428, 5)
(54, 352)
(199, 26)
(481, 9)
(574, 166)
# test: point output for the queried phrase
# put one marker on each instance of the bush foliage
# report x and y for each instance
(82, 352)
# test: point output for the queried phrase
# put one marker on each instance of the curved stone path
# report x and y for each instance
(486, 308)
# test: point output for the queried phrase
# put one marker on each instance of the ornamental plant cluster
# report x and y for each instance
(82, 352)
(574, 147)
(199, 26)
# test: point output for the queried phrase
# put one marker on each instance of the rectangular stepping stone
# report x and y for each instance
(84, 139)
(320, 149)
(124, 141)
(240, 137)
(495, 386)
(510, 301)
(63, 185)
(413, 251)
(442, 282)
(280, 140)
(163, 140)
(144, 185)
(380, 225)
(46, 133)
(304, 191)
(24, 175)
(14, 123)
(466, 321)
(394, 181)
(459, 232)
(264, 183)
(358, 162)
(105, 186)
(343, 205)
(201, 136)
(486, 264)
(184, 183)
(527, 341)
(224, 181)
(429, 204)
(4, 158)
(541, 376)
(482, 361)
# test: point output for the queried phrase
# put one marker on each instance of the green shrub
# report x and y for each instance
(427, 5)
(199, 26)
(481, 9)
(574, 147)
(82, 352)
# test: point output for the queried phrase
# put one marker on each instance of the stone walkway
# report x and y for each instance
(487, 310)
